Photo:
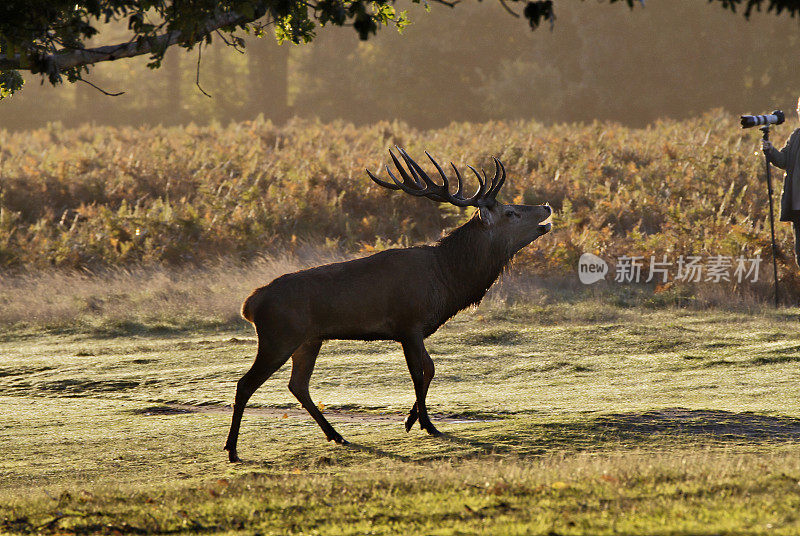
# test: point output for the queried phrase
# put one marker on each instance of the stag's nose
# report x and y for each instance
(546, 225)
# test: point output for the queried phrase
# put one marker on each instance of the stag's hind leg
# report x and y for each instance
(427, 375)
(420, 365)
(270, 357)
(303, 360)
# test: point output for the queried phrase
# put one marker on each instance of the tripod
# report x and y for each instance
(765, 137)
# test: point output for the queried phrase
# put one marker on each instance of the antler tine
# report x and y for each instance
(401, 186)
(411, 185)
(460, 181)
(502, 178)
(438, 192)
(445, 181)
(482, 184)
(408, 181)
(379, 182)
(414, 174)
(398, 185)
(417, 171)
(498, 179)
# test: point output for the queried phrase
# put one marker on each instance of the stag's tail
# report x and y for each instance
(251, 305)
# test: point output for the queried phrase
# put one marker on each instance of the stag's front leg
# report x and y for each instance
(420, 365)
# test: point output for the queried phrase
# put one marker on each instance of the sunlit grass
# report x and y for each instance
(572, 418)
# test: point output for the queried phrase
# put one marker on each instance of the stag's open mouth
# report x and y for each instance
(546, 224)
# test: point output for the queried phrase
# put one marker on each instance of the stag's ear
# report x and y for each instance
(487, 215)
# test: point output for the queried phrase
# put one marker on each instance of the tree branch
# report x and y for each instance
(511, 11)
(68, 59)
(197, 78)
(101, 90)
(452, 3)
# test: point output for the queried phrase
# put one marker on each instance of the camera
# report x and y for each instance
(775, 118)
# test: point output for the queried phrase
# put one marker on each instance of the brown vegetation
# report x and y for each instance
(101, 197)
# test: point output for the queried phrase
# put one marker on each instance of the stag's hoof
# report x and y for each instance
(431, 429)
(338, 439)
(410, 420)
(232, 456)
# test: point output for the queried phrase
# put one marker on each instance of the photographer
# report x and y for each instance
(788, 159)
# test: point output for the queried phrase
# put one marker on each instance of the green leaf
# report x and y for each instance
(10, 82)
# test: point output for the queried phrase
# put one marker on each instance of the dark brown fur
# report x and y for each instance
(398, 294)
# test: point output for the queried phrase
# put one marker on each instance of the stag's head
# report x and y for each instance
(514, 225)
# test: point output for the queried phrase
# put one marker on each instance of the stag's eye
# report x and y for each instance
(510, 213)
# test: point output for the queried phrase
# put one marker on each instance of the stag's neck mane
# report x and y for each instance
(470, 262)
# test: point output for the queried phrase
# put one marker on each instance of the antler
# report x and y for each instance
(417, 183)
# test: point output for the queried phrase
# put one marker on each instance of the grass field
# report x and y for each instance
(560, 417)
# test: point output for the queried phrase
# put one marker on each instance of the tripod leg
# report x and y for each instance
(765, 130)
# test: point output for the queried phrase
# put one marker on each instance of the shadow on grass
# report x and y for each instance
(746, 427)
(378, 452)
(524, 436)
(658, 428)
(23, 525)
(671, 427)
(485, 447)
(112, 328)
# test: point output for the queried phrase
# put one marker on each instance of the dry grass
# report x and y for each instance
(177, 298)
(104, 196)
(143, 294)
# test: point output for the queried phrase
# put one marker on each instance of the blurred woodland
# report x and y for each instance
(476, 62)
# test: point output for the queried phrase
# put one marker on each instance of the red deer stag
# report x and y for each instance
(402, 295)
